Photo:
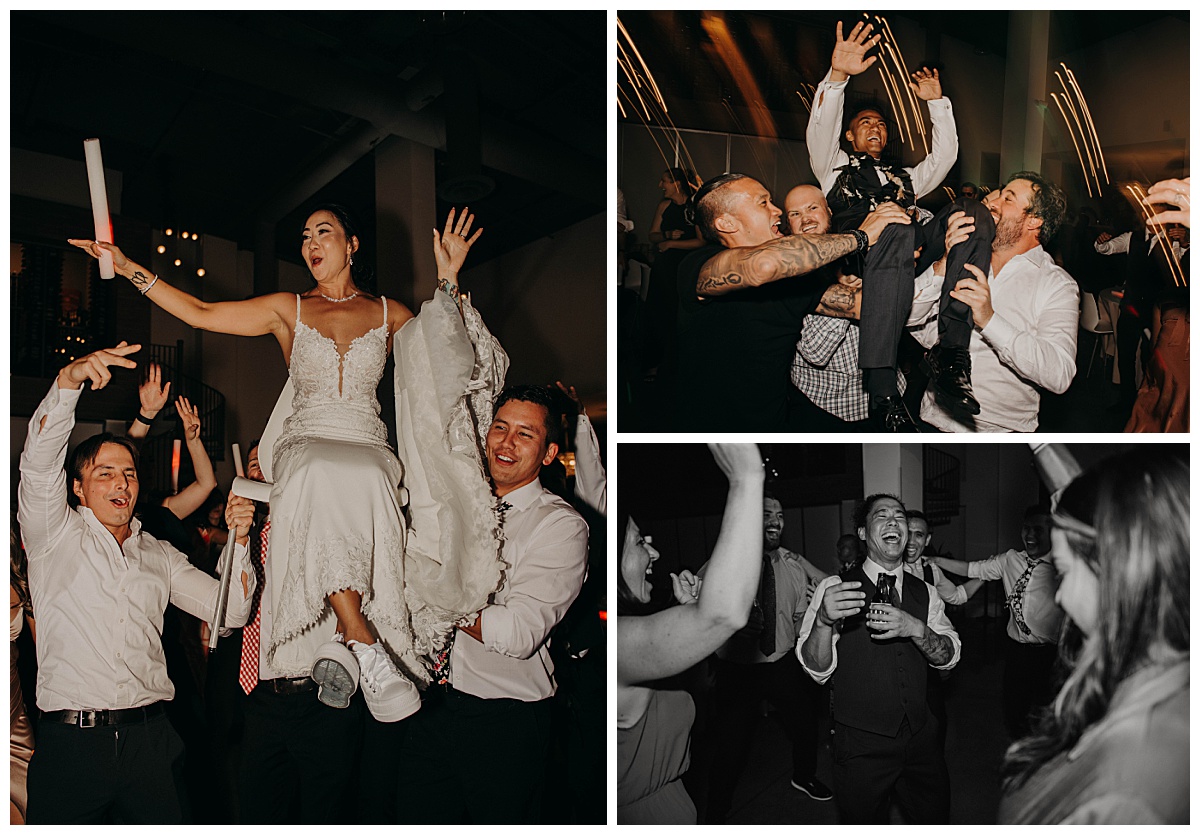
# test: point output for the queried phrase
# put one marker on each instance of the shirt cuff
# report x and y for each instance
(998, 332)
(833, 85)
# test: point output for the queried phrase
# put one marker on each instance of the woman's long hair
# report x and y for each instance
(687, 181)
(361, 272)
(1128, 520)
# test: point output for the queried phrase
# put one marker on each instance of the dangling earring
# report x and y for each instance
(351, 260)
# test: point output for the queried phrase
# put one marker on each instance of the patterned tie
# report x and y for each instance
(248, 673)
(766, 602)
(890, 582)
(1016, 600)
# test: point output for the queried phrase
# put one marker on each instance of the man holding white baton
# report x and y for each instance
(105, 750)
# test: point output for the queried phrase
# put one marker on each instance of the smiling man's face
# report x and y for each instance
(886, 532)
(109, 487)
(868, 133)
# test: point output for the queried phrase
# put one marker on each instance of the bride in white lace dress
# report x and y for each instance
(337, 537)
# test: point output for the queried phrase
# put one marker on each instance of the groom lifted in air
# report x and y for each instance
(859, 181)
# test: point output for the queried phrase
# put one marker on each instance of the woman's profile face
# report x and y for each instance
(215, 514)
(669, 186)
(324, 246)
(637, 558)
(1079, 588)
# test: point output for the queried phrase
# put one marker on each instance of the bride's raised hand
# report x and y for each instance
(97, 248)
(451, 246)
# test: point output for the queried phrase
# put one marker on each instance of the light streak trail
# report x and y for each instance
(1088, 113)
(1079, 153)
(1160, 236)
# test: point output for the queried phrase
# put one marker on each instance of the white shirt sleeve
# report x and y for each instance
(806, 628)
(939, 623)
(591, 483)
(943, 148)
(1045, 357)
(824, 132)
(1114, 246)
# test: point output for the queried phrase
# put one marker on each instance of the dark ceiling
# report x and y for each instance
(783, 51)
(222, 121)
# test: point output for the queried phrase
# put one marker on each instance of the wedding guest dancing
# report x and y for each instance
(653, 721)
(100, 584)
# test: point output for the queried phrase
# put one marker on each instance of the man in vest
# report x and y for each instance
(885, 737)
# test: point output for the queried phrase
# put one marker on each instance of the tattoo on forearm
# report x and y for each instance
(937, 648)
(139, 279)
(784, 258)
(838, 302)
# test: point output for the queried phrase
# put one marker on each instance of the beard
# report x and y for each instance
(1008, 233)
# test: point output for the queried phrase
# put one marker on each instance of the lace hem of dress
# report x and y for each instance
(349, 562)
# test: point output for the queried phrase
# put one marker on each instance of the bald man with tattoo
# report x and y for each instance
(743, 299)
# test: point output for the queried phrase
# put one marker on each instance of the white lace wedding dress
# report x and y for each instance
(336, 521)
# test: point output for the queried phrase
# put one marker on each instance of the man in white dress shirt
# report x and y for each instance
(476, 752)
(886, 738)
(1026, 312)
(1035, 619)
(105, 750)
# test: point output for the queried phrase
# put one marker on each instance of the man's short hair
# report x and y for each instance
(85, 455)
(542, 396)
(916, 514)
(1048, 203)
(710, 202)
(1036, 510)
(864, 507)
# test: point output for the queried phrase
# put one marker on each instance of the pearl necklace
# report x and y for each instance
(337, 301)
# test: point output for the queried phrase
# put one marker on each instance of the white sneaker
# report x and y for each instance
(335, 671)
(390, 696)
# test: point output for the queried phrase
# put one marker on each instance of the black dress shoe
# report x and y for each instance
(949, 369)
(892, 415)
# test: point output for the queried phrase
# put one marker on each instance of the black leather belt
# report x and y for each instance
(98, 718)
(288, 686)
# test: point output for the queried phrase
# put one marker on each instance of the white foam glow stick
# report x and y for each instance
(95, 170)
(237, 461)
(175, 466)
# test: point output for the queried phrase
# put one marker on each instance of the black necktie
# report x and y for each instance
(766, 602)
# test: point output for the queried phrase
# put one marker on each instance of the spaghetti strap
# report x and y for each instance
(384, 309)
(297, 308)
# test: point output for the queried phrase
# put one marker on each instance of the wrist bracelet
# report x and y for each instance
(148, 286)
(449, 289)
(145, 420)
(860, 237)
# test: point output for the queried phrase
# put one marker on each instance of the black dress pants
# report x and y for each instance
(298, 756)
(888, 275)
(471, 760)
(127, 773)
(739, 692)
(869, 768)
